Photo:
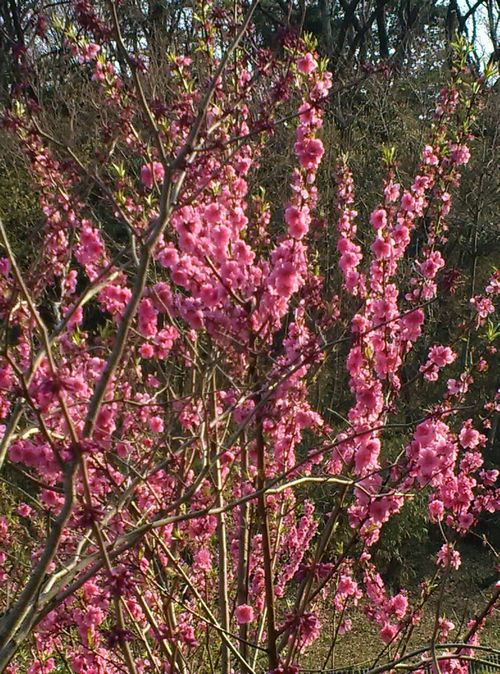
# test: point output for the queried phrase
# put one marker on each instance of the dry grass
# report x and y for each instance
(465, 595)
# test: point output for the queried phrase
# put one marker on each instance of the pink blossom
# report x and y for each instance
(309, 628)
(399, 604)
(493, 287)
(321, 87)
(286, 280)
(388, 632)
(146, 350)
(469, 437)
(88, 52)
(441, 355)
(345, 626)
(307, 64)
(347, 586)
(152, 173)
(436, 510)
(147, 318)
(465, 521)
(91, 247)
(412, 323)
(298, 221)
(203, 559)
(429, 156)
(445, 627)
(156, 424)
(428, 462)
(213, 214)
(309, 151)
(445, 203)
(460, 386)
(421, 184)
(460, 154)
(407, 202)
(244, 614)
(432, 264)
(426, 433)
(449, 557)
(114, 298)
(380, 510)
(221, 235)
(308, 114)
(366, 456)
(391, 192)
(381, 248)
(187, 634)
(211, 295)
(24, 510)
(378, 218)
(168, 257)
(42, 667)
(489, 477)
(483, 305)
